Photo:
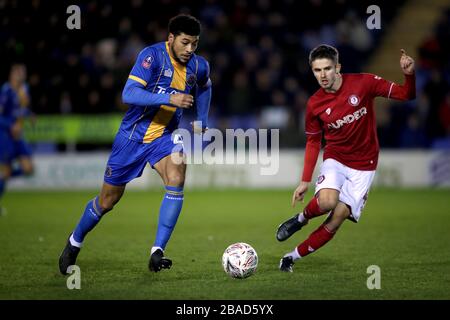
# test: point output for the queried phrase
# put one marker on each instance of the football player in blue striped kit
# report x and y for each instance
(164, 80)
(15, 153)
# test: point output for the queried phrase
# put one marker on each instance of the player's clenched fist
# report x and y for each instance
(182, 100)
(406, 63)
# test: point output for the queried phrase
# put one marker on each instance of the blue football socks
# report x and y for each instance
(168, 215)
(88, 221)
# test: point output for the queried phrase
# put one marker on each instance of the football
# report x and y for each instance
(240, 260)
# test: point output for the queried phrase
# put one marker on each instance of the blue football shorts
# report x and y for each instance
(13, 149)
(128, 157)
(6, 148)
(21, 149)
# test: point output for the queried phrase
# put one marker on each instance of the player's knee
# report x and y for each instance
(341, 215)
(176, 180)
(107, 203)
(327, 203)
(107, 206)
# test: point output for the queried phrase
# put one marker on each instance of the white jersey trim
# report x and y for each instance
(390, 90)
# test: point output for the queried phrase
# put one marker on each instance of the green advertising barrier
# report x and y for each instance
(73, 128)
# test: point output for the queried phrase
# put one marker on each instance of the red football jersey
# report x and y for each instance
(347, 118)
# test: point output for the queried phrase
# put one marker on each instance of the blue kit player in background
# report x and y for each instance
(15, 153)
(158, 88)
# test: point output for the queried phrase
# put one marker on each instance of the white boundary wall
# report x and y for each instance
(85, 170)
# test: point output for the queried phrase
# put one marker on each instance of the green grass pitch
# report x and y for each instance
(405, 232)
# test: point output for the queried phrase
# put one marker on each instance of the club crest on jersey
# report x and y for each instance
(353, 100)
(328, 111)
(191, 80)
(147, 62)
(320, 179)
(168, 73)
(108, 171)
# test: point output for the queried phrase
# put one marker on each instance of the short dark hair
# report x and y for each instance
(324, 51)
(15, 65)
(184, 23)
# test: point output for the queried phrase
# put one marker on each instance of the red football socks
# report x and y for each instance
(315, 240)
(312, 209)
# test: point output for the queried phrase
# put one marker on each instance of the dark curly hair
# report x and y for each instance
(184, 23)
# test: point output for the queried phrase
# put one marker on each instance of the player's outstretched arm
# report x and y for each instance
(134, 93)
(407, 91)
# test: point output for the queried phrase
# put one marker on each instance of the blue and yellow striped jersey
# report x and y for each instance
(160, 74)
(11, 109)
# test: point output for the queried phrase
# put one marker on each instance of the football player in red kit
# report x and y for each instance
(342, 110)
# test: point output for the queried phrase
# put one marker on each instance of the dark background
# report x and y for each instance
(257, 51)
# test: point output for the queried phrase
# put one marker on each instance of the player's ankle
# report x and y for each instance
(74, 242)
(301, 218)
(156, 248)
(294, 254)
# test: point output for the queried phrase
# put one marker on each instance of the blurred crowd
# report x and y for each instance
(257, 50)
(425, 122)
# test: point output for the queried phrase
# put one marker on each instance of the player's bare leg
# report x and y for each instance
(337, 217)
(95, 209)
(328, 200)
(26, 164)
(172, 170)
(25, 167)
(318, 238)
(110, 196)
(323, 202)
